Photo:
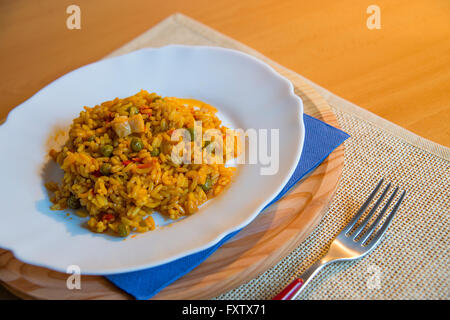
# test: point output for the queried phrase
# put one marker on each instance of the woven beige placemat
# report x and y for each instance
(412, 261)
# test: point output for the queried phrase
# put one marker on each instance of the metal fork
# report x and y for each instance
(350, 244)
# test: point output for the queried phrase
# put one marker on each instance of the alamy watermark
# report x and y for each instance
(374, 20)
(73, 282)
(73, 21)
(374, 280)
(213, 146)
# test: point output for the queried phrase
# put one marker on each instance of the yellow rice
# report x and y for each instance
(139, 182)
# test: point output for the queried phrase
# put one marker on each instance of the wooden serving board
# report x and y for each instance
(259, 246)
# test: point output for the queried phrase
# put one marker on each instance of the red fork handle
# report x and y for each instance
(289, 292)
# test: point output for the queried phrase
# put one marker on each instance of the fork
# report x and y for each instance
(350, 244)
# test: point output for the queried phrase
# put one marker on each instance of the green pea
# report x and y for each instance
(107, 150)
(133, 110)
(155, 152)
(73, 202)
(91, 138)
(136, 144)
(105, 169)
(207, 186)
(123, 230)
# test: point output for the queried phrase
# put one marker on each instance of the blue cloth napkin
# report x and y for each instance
(320, 140)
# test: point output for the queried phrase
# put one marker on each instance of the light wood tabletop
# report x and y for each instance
(400, 71)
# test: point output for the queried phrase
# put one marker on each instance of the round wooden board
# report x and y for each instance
(259, 246)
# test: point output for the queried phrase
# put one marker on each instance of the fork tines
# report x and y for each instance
(364, 238)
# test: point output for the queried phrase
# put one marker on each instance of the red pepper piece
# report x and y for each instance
(145, 165)
(108, 217)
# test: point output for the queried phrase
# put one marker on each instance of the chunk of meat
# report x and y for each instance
(137, 123)
(121, 126)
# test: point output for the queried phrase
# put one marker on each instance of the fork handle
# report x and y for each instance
(297, 285)
(290, 291)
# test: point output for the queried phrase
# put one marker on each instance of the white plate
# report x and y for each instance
(248, 94)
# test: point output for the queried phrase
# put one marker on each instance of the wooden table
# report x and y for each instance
(400, 72)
